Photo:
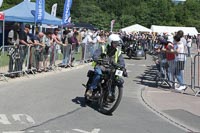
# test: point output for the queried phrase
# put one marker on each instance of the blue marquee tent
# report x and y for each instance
(23, 12)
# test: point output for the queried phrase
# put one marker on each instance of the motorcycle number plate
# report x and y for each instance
(119, 73)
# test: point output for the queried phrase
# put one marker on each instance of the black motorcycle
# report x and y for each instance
(136, 50)
(111, 83)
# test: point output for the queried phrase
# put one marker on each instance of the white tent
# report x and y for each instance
(173, 29)
(136, 28)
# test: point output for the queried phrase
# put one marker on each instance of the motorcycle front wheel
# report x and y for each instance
(108, 106)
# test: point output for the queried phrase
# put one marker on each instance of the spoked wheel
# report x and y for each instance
(107, 105)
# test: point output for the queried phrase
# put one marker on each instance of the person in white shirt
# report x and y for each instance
(180, 62)
(189, 44)
(87, 47)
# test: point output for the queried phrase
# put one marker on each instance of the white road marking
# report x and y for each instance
(17, 117)
(82, 131)
(46, 131)
(21, 118)
(4, 120)
(135, 64)
(14, 132)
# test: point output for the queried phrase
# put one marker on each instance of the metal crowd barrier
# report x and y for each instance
(89, 50)
(196, 77)
(26, 63)
(187, 67)
(15, 60)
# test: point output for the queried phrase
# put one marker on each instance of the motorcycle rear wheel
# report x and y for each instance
(106, 107)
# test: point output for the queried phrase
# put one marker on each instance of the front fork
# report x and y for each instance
(109, 87)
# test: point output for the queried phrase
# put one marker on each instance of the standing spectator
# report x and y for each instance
(32, 60)
(74, 43)
(180, 33)
(83, 33)
(39, 45)
(163, 42)
(66, 49)
(13, 41)
(79, 38)
(99, 40)
(87, 44)
(170, 56)
(54, 48)
(48, 41)
(189, 44)
(25, 43)
(180, 62)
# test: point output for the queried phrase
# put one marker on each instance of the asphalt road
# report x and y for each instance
(53, 103)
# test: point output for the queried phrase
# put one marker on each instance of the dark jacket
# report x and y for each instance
(97, 55)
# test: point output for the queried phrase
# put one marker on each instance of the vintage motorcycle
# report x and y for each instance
(111, 81)
(135, 50)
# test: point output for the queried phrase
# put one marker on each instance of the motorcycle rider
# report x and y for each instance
(111, 52)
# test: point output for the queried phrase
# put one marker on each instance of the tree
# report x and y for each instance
(127, 12)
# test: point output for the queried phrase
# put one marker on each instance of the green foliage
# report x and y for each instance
(127, 12)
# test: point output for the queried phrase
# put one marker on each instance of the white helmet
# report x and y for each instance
(114, 38)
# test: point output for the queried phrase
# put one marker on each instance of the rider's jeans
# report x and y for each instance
(96, 78)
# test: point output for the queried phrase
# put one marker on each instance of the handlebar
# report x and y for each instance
(109, 63)
(112, 65)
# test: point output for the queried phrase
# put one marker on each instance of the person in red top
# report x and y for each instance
(170, 57)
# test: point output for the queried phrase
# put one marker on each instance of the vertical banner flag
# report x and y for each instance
(1, 1)
(39, 10)
(111, 25)
(66, 12)
(54, 9)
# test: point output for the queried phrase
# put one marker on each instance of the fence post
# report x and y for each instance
(197, 92)
(2, 74)
(192, 74)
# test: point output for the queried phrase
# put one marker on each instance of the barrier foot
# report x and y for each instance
(197, 93)
(25, 73)
(4, 77)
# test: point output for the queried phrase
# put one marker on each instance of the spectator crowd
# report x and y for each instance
(40, 51)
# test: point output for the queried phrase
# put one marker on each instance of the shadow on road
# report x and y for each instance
(149, 78)
(80, 101)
